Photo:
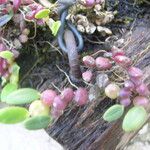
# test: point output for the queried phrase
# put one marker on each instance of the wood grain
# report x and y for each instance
(83, 128)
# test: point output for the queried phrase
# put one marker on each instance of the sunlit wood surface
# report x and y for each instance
(15, 137)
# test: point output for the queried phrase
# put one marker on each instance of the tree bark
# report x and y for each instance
(83, 128)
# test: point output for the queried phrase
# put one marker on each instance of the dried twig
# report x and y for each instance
(67, 77)
(56, 87)
(56, 49)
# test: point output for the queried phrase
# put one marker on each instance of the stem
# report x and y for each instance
(75, 71)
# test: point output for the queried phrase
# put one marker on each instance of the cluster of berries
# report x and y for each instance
(134, 85)
(100, 63)
(57, 103)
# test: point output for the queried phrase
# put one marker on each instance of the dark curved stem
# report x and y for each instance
(61, 32)
(67, 41)
(73, 29)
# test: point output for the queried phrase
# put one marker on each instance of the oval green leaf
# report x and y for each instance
(38, 122)
(134, 119)
(8, 88)
(113, 113)
(7, 55)
(14, 78)
(22, 96)
(55, 27)
(12, 115)
(42, 14)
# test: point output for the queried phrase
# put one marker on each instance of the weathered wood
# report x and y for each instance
(83, 128)
(139, 50)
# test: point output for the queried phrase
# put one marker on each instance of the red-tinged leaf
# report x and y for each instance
(3, 1)
(16, 4)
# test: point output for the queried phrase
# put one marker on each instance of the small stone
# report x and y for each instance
(94, 93)
(104, 31)
(120, 42)
(26, 31)
(17, 44)
(97, 7)
(108, 54)
(23, 38)
(81, 28)
(82, 20)
(90, 29)
(109, 16)
(102, 80)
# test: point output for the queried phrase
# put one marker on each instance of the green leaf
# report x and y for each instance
(37, 122)
(134, 119)
(7, 55)
(9, 88)
(14, 78)
(42, 14)
(113, 113)
(11, 115)
(55, 27)
(22, 96)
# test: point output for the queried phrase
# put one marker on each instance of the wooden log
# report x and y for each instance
(83, 128)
